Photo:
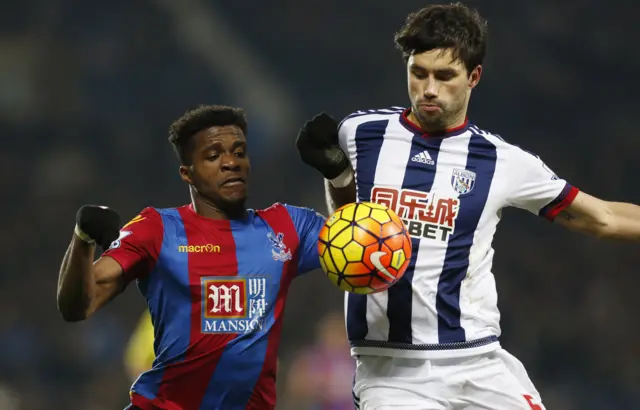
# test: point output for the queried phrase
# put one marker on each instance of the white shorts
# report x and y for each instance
(490, 381)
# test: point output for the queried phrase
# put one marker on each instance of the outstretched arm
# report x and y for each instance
(604, 219)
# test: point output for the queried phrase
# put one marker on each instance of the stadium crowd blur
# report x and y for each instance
(87, 91)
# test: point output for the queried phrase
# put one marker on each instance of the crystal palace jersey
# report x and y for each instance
(216, 292)
(449, 190)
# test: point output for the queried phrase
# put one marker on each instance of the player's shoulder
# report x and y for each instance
(163, 216)
(144, 228)
(147, 216)
(505, 148)
(494, 138)
(361, 116)
(299, 215)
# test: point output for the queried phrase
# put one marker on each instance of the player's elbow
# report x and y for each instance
(603, 224)
(70, 313)
(72, 316)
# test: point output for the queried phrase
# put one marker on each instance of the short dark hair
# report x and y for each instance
(453, 26)
(198, 119)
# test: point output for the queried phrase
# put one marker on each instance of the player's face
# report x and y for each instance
(439, 88)
(220, 166)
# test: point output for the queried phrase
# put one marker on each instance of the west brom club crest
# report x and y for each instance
(463, 181)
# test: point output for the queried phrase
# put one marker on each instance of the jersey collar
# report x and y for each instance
(449, 132)
(223, 224)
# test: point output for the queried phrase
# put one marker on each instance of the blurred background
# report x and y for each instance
(88, 89)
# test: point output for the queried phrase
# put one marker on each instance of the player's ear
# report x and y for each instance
(185, 174)
(474, 76)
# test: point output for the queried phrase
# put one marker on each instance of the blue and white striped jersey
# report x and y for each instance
(449, 190)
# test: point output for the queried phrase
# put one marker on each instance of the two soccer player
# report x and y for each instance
(215, 274)
(431, 340)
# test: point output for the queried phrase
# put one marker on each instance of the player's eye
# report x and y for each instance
(445, 75)
(240, 153)
(212, 156)
(419, 75)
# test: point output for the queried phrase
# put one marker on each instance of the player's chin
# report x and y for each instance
(235, 197)
(432, 120)
(430, 115)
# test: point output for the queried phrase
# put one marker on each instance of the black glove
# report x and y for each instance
(318, 146)
(99, 224)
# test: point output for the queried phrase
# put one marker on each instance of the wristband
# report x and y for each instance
(86, 238)
(343, 179)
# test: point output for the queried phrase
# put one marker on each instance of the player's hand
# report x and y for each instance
(97, 224)
(318, 146)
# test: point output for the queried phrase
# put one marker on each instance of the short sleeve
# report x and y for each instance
(536, 188)
(308, 224)
(138, 246)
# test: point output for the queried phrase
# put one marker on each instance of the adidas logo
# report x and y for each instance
(423, 157)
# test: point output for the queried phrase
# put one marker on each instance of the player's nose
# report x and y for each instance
(230, 163)
(431, 88)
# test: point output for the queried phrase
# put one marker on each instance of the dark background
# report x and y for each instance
(88, 89)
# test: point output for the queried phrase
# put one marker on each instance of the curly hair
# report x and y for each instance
(451, 26)
(198, 119)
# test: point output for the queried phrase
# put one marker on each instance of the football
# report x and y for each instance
(364, 248)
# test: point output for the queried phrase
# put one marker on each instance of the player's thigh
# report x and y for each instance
(517, 370)
(503, 384)
(389, 398)
(385, 383)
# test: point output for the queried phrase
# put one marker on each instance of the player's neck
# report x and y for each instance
(457, 123)
(208, 209)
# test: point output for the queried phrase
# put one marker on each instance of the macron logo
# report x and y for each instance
(208, 248)
(423, 157)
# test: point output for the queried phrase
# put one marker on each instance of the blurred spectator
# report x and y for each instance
(320, 378)
(139, 353)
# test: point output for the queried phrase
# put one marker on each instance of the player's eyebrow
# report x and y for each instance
(213, 145)
(216, 144)
(442, 70)
(238, 144)
(448, 70)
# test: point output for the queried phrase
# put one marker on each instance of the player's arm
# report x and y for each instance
(337, 197)
(604, 219)
(319, 147)
(540, 191)
(84, 286)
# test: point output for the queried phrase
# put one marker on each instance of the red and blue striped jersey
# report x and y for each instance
(216, 292)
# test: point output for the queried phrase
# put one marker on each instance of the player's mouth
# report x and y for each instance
(232, 182)
(430, 107)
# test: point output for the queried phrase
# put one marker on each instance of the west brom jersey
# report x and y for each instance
(449, 189)
(216, 292)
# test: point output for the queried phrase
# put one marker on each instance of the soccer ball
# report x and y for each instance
(364, 248)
